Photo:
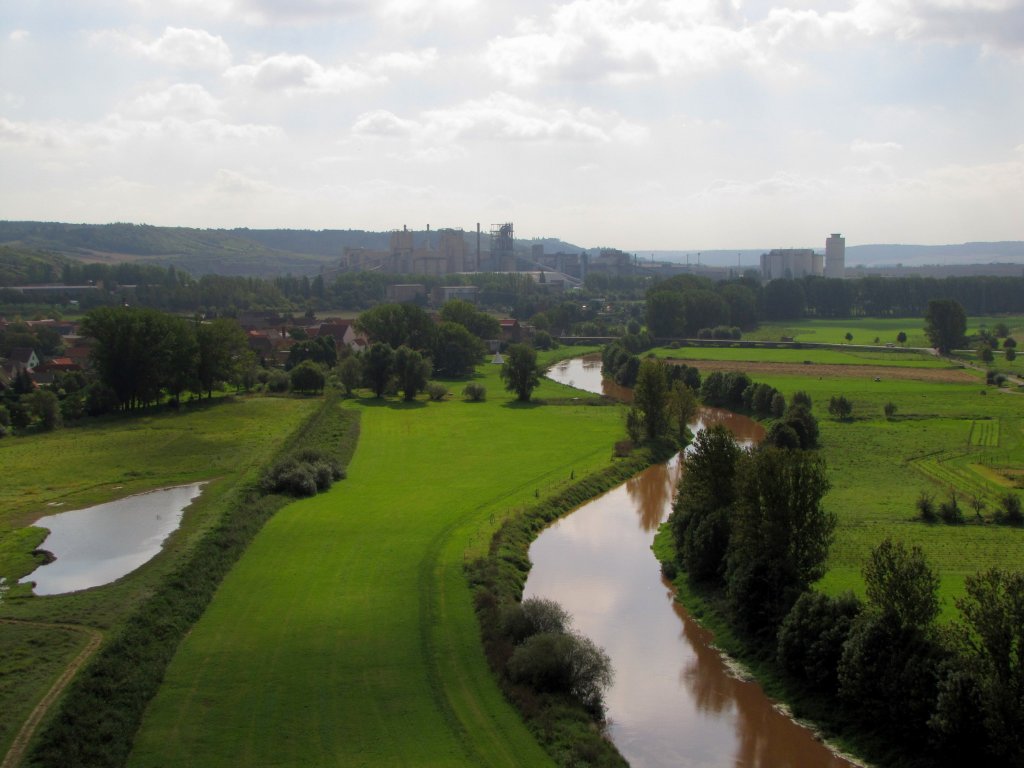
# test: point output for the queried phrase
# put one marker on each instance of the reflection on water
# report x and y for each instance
(100, 544)
(674, 702)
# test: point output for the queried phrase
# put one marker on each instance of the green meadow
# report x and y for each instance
(852, 356)
(346, 633)
(223, 443)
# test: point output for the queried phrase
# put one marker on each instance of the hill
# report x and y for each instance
(239, 252)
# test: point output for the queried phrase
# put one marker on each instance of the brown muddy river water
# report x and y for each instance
(674, 701)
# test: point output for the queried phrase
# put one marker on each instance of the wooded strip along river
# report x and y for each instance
(675, 702)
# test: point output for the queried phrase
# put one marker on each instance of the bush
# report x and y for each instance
(1009, 511)
(474, 392)
(811, 638)
(278, 382)
(926, 507)
(950, 512)
(303, 473)
(890, 410)
(565, 663)
(521, 621)
(437, 391)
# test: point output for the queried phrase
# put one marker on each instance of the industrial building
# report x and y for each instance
(795, 263)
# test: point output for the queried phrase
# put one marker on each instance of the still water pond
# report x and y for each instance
(100, 544)
(674, 701)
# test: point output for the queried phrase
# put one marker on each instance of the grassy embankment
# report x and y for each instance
(223, 443)
(945, 435)
(347, 633)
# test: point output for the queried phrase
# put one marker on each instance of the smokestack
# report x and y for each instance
(478, 246)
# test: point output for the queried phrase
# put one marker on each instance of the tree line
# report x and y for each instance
(750, 530)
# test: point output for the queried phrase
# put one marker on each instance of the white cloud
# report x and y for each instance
(186, 100)
(18, 35)
(627, 40)
(501, 117)
(863, 147)
(177, 46)
(406, 62)
(381, 122)
(298, 74)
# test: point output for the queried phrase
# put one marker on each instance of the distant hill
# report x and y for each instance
(244, 252)
(868, 255)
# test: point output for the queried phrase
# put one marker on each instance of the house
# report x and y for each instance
(46, 372)
(23, 358)
(343, 331)
(510, 330)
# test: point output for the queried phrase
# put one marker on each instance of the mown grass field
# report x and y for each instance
(817, 356)
(346, 634)
(945, 436)
(866, 329)
(223, 443)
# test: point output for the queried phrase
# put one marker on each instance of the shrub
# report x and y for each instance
(1009, 510)
(812, 635)
(558, 662)
(801, 398)
(890, 410)
(436, 391)
(926, 507)
(475, 392)
(950, 512)
(277, 381)
(521, 621)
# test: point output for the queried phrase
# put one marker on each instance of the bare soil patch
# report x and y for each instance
(941, 375)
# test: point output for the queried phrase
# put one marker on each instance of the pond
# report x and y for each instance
(100, 544)
(675, 701)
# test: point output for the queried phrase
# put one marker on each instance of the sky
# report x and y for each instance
(639, 124)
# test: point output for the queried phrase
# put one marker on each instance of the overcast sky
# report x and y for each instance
(629, 123)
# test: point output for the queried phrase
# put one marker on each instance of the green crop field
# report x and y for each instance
(223, 443)
(346, 633)
(944, 437)
(816, 356)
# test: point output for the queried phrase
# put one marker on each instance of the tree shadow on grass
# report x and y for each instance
(397, 404)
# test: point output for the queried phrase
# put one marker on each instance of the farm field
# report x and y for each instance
(866, 329)
(808, 356)
(360, 642)
(80, 466)
(945, 435)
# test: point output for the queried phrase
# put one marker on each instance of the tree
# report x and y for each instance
(378, 367)
(992, 635)
(45, 407)
(700, 515)
(398, 324)
(848, 337)
(780, 536)
(945, 324)
(890, 410)
(480, 324)
(682, 409)
(901, 584)
(812, 635)
(800, 419)
(307, 376)
(565, 663)
(456, 350)
(901, 337)
(666, 314)
(1010, 354)
(223, 352)
(520, 371)
(651, 396)
(412, 371)
(350, 374)
(840, 407)
(987, 356)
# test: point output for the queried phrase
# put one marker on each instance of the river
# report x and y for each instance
(674, 701)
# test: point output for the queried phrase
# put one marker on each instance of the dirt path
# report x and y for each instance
(943, 375)
(28, 729)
